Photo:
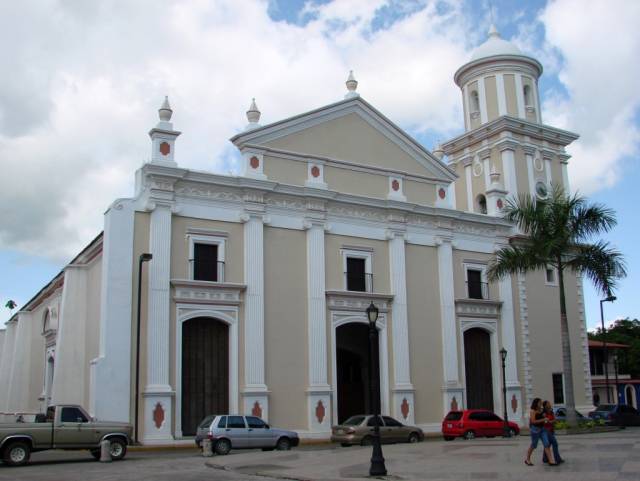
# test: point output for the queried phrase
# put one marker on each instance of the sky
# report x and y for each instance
(82, 82)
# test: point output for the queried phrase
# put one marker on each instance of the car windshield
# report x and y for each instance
(206, 422)
(606, 407)
(354, 421)
(454, 416)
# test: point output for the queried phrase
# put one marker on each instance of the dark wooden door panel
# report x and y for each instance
(205, 371)
(477, 360)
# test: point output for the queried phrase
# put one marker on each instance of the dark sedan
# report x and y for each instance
(616, 414)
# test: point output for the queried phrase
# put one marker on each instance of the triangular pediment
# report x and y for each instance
(353, 131)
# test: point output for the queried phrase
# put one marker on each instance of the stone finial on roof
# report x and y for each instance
(352, 85)
(494, 175)
(493, 31)
(165, 112)
(253, 115)
(438, 152)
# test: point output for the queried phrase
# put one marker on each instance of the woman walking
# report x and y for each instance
(537, 420)
(547, 409)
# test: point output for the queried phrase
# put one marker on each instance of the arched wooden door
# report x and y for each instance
(477, 364)
(205, 371)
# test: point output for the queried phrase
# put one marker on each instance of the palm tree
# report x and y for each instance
(556, 232)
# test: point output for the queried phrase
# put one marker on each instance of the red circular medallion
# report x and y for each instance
(315, 171)
(395, 185)
(442, 193)
(254, 162)
(165, 148)
(499, 203)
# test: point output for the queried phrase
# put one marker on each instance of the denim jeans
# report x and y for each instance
(554, 445)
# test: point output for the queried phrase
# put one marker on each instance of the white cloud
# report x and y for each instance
(599, 47)
(84, 80)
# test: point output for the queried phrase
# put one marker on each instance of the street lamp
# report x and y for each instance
(377, 460)
(143, 258)
(615, 365)
(604, 346)
(503, 357)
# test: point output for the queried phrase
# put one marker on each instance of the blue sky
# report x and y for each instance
(87, 83)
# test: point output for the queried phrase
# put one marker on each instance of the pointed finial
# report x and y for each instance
(494, 175)
(352, 85)
(253, 115)
(438, 152)
(493, 31)
(165, 111)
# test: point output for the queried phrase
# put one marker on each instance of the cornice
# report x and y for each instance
(508, 124)
(497, 63)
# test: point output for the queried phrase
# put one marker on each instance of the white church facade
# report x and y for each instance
(254, 298)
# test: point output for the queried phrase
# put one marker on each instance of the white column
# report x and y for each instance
(452, 390)
(502, 97)
(465, 102)
(520, 97)
(530, 175)
(21, 367)
(508, 335)
(509, 170)
(403, 392)
(467, 176)
(158, 403)
(255, 390)
(483, 101)
(565, 176)
(318, 391)
(547, 170)
(6, 363)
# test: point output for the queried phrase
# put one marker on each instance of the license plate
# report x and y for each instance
(449, 425)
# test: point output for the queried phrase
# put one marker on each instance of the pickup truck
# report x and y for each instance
(62, 427)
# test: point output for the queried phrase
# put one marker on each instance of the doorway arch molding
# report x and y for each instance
(226, 314)
(490, 326)
(340, 318)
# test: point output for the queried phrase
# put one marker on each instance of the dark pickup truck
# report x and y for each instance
(62, 427)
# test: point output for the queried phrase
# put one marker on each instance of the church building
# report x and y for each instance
(209, 293)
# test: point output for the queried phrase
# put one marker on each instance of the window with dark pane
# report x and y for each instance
(205, 262)
(474, 284)
(558, 388)
(356, 279)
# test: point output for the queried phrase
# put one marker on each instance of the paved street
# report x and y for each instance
(602, 457)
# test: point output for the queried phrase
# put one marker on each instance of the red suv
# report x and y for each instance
(472, 423)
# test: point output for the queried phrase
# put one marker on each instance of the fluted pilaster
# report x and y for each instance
(316, 306)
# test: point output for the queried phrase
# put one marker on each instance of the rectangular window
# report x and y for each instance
(550, 277)
(558, 388)
(356, 274)
(205, 262)
(475, 286)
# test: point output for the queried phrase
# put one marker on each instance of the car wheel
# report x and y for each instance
(469, 435)
(448, 438)
(283, 444)
(95, 453)
(414, 438)
(366, 441)
(118, 449)
(17, 454)
(512, 433)
(345, 445)
(223, 446)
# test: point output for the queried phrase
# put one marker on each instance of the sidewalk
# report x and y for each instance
(603, 456)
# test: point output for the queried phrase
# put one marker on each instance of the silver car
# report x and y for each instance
(243, 432)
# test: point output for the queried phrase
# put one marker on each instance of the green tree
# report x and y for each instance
(558, 232)
(624, 331)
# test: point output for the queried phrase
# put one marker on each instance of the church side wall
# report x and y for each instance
(286, 326)
(425, 338)
(92, 322)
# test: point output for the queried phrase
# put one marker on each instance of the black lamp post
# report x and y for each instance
(377, 460)
(615, 365)
(604, 346)
(503, 358)
(143, 258)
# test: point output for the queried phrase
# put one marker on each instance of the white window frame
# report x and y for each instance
(365, 253)
(218, 240)
(553, 283)
(564, 390)
(474, 266)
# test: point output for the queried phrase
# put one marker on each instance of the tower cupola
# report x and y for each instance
(499, 80)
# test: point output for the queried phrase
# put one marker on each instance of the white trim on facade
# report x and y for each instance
(210, 239)
(502, 96)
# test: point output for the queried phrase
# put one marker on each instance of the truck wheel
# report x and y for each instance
(17, 454)
(118, 449)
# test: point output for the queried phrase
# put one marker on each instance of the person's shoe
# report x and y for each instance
(528, 463)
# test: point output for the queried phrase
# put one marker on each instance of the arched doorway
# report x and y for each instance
(478, 372)
(352, 369)
(205, 371)
(629, 396)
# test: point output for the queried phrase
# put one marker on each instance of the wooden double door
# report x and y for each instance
(478, 371)
(205, 371)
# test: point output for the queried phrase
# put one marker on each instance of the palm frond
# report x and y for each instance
(600, 263)
(513, 259)
(589, 220)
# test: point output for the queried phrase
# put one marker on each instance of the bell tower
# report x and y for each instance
(505, 150)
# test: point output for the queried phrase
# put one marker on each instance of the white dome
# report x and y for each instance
(495, 45)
